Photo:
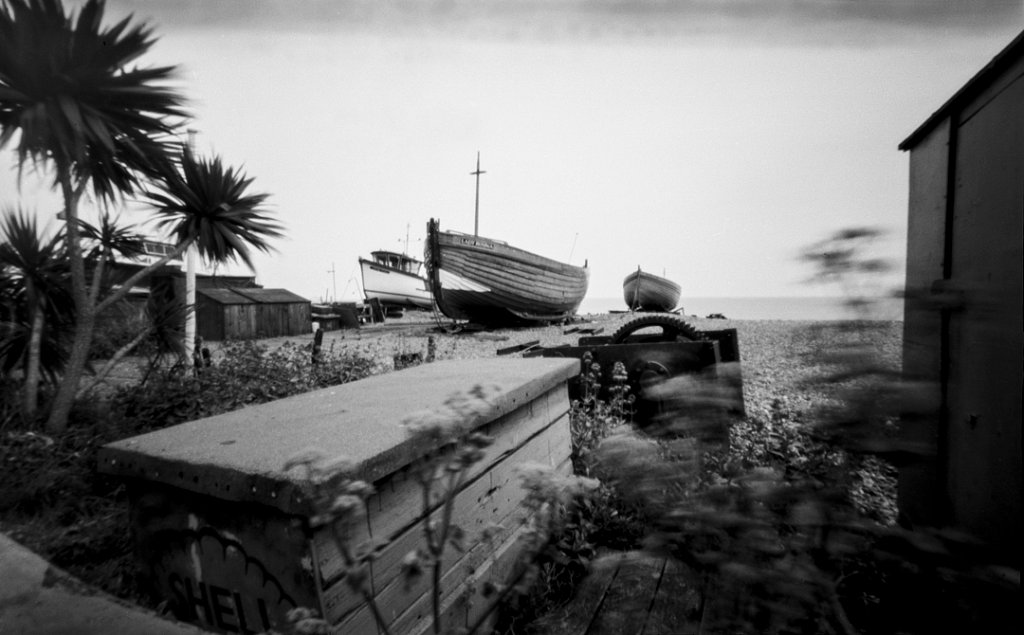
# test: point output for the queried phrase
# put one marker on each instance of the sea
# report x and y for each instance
(766, 308)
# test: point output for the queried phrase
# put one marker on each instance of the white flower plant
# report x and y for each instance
(340, 503)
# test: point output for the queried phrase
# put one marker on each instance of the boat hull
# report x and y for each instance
(647, 292)
(394, 287)
(490, 282)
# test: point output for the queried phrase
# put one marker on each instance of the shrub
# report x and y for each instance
(247, 373)
(118, 329)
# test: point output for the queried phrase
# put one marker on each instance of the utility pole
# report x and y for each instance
(476, 209)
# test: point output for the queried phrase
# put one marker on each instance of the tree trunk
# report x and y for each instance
(85, 314)
(112, 363)
(31, 391)
(87, 303)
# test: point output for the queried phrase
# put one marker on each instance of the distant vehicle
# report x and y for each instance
(644, 291)
(395, 279)
(489, 281)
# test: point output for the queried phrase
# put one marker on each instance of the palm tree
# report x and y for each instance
(66, 87)
(209, 204)
(37, 301)
(205, 203)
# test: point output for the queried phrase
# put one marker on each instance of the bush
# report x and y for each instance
(247, 373)
(114, 331)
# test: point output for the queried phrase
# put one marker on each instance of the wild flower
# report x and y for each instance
(592, 418)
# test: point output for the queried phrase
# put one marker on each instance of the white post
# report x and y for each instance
(190, 300)
(190, 281)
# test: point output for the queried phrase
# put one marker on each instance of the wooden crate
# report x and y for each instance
(223, 533)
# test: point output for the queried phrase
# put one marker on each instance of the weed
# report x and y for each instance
(592, 418)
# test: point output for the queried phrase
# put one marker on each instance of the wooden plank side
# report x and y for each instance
(325, 550)
(398, 500)
(501, 568)
(393, 594)
(462, 605)
(335, 597)
(359, 622)
(485, 503)
(560, 441)
(455, 586)
(493, 497)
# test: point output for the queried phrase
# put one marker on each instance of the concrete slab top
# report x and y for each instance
(240, 455)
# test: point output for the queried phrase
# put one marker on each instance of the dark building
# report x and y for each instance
(964, 320)
(247, 313)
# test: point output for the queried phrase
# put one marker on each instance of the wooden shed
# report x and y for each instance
(964, 317)
(245, 313)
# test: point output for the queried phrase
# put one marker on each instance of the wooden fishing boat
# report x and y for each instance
(644, 291)
(395, 279)
(488, 281)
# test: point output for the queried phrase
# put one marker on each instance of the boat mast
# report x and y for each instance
(334, 282)
(476, 209)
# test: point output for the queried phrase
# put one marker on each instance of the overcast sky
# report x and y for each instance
(706, 140)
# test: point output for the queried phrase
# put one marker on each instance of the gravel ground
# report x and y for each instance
(777, 356)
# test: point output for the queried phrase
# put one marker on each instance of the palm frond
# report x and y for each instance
(33, 277)
(210, 203)
(111, 239)
(66, 86)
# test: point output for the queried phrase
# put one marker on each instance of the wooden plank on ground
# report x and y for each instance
(517, 347)
(628, 600)
(677, 603)
(575, 617)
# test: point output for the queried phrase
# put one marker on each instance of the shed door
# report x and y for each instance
(985, 338)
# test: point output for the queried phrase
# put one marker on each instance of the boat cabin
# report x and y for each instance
(394, 260)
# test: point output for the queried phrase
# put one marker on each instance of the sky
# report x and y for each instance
(708, 141)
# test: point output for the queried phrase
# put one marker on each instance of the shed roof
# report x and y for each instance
(271, 296)
(981, 80)
(224, 296)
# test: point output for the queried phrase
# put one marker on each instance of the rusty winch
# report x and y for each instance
(654, 349)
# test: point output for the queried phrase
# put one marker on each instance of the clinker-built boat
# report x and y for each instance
(395, 279)
(644, 291)
(488, 281)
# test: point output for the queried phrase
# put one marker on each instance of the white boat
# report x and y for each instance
(395, 280)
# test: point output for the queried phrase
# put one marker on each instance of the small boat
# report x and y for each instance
(644, 291)
(488, 281)
(395, 279)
